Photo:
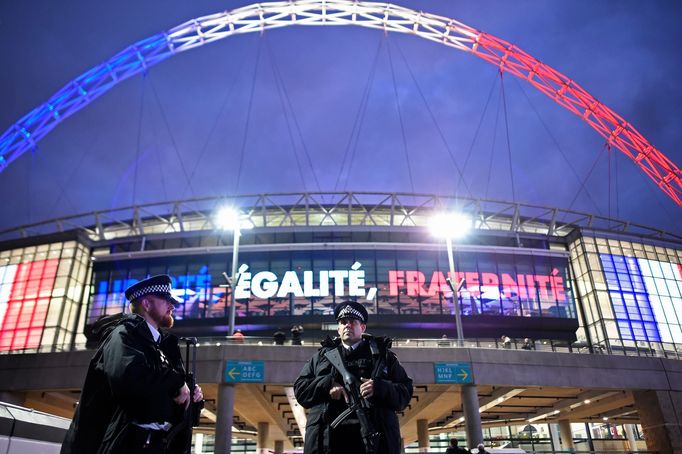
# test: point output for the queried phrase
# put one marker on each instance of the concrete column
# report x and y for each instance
(472, 418)
(262, 446)
(423, 434)
(224, 419)
(279, 446)
(566, 435)
(632, 439)
(659, 414)
(198, 443)
(554, 434)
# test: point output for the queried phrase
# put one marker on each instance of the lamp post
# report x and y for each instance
(449, 226)
(230, 219)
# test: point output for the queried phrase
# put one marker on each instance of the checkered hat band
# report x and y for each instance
(349, 312)
(160, 288)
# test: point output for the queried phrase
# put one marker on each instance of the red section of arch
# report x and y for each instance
(618, 132)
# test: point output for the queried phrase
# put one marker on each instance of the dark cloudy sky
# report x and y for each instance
(182, 130)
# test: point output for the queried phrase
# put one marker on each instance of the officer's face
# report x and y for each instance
(350, 330)
(160, 310)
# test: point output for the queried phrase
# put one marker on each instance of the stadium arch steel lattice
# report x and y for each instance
(26, 132)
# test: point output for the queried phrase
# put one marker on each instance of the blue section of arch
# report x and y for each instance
(25, 133)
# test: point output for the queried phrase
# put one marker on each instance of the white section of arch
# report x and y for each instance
(263, 16)
(383, 16)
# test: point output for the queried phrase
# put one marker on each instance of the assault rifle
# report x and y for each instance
(356, 403)
(180, 436)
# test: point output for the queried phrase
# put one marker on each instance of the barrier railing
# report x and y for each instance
(614, 347)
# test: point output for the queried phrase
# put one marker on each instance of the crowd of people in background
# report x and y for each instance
(527, 343)
(454, 448)
(280, 337)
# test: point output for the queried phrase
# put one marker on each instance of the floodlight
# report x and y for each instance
(450, 225)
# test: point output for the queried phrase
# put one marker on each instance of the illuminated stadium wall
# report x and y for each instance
(409, 286)
(631, 292)
(612, 293)
(41, 290)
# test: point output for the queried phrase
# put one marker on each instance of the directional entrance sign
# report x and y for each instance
(244, 371)
(452, 372)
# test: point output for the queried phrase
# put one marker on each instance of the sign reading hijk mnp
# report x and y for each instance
(452, 372)
(244, 371)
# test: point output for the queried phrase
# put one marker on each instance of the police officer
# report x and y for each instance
(135, 397)
(319, 387)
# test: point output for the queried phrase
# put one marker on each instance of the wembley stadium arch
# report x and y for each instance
(573, 283)
(137, 58)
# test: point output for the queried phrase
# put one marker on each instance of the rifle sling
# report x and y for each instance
(376, 357)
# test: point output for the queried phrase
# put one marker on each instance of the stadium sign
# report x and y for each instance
(266, 284)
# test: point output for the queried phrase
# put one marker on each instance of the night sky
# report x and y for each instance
(341, 108)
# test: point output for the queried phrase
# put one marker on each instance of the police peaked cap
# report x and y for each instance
(351, 309)
(156, 285)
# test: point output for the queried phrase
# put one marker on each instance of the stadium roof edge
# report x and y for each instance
(317, 209)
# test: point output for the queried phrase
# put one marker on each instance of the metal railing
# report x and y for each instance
(670, 351)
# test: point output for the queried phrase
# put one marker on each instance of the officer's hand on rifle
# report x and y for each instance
(367, 387)
(198, 394)
(337, 392)
(183, 396)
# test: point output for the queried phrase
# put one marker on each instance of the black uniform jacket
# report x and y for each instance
(392, 393)
(130, 378)
(457, 450)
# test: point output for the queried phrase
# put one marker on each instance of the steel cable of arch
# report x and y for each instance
(214, 126)
(354, 137)
(286, 103)
(587, 177)
(435, 123)
(285, 114)
(477, 131)
(138, 139)
(506, 133)
(567, 161)
(174, 144)
(403, 134)
(491, 162)
(247, 123)
(25, 133)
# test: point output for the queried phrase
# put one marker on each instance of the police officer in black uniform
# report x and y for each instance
(319, 387)
(135, 397)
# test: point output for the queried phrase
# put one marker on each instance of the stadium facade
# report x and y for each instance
(566, 280)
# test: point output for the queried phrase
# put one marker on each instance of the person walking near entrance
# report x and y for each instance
(527, 344)
(385, 386)
(135, 395)
(505, 341)
(296, 332)
(454, 448)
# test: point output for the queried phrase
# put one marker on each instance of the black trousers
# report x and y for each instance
(144, 441)
(346, 439)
